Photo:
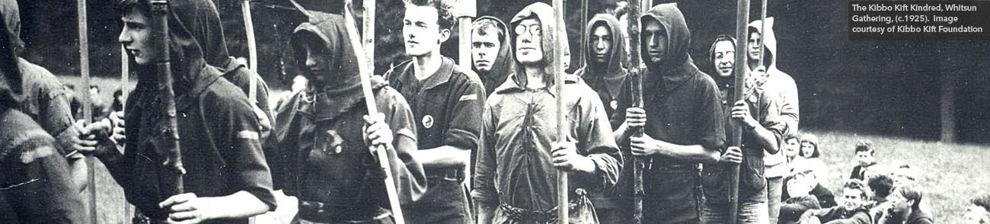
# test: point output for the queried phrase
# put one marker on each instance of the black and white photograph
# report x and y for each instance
(494, 111)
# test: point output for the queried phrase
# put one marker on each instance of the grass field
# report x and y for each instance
(950, 173)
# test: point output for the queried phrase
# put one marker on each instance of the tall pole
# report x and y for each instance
(252, 50)
(87, 105)
(366, 70)
(584, 31)
(636, 78)
(159, 35)
(468, 10)
(742, 17)
(368, 33)
(559, 34)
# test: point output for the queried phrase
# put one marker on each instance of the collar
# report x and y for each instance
(511, 85)
(441, 76)
(206, 77)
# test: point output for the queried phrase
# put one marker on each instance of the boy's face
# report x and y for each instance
(852, 199)
(976, 215)
(864, 158)
(791, 147)
(724, 58)
(654, 38)
(754, 45)
(136, 37)
(317, 62)
(529, 41)
(807, 149)
(422, 31)
(484, 49)
(601, 43)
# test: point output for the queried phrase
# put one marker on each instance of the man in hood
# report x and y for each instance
(45, 100)
(325, 136)
(517, 167)
(227, 179)
(781, 86)
(447, 101)
(681, 116)
(35, 184)
(491, 52)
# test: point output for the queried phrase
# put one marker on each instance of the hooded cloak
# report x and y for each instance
(549, 40)
(597, 78)
(503, 65)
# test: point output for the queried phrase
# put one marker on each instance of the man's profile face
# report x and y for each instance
(724, 58)
(136, 37)
(852, 199)
(601, 43)
(976, 215)
(899, 202)
(421, 30)
(655, 39)
(754, 45)
(484, 49)
(529, 41)
(864, 157)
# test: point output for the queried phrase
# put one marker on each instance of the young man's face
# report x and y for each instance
(754, 45)
(655, 40)
(422, 31)
(864, 158)
(601, 43)
(317, 61)
(976, 215)
(807, 149)
(724, 58)
(529, 42)
(484, 49)
(136, 37)
(900, 204)
(791, 147)
(852, 199)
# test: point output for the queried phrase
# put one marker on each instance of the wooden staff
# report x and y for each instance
(159, 35)
(467, 11)
(636, 78)
(558, 35)
(252, 50)
(584, 31)
(87, 104)
(366, 70)
(742, 17)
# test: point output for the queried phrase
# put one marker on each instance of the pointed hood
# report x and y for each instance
(544, 13)
(202, 20)
(504, 64)
(12, 21)
(769, 42)
(344, 91)
(11, 89)
(676, 65)
(614, 64)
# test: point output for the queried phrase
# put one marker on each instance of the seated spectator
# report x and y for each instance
(803, 173)
(801, 199)
(881, 186)
(905, 175)
(978, 210)
(118, 100)
(852, 210)
(791, 147)
(864, 155)
(811, 155)
(904, 207)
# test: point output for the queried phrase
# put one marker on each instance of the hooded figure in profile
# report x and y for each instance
(323, 142)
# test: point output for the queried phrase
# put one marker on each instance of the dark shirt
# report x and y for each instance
(792, 208)
(219, 141)
(447, 104)
(839, 215)
(859, 171)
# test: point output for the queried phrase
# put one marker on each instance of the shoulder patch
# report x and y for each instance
(246, 134)
(468, 97)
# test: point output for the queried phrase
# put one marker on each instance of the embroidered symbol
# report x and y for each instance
(330, 142)
(428, 121)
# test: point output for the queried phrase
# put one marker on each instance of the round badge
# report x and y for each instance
(614, 104)
(428, 121)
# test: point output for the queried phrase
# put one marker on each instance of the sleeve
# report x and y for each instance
(35, 178)
(465, 122)
(55, 114)
(789, 107)
(596, 142)
(484, 191)
(246, 167)
(712, 118)
(407, 173)
(770, 117)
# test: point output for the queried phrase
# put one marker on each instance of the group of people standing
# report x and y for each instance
(442, 126)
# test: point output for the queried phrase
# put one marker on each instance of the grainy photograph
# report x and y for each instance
(494, 111)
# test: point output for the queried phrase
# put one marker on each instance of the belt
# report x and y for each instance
(323, 212)
(540, 216)
(451, 174)
(143, 219)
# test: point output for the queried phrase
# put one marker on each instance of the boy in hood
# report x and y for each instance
(604, 73)
(227, 179)
(681, 116)
(491, 52)
(45, 100)
(447, 101)
(325, 136)
(761, 131)
(517, 167)
(35, 184)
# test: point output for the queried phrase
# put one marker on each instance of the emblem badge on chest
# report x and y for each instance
(613, 104)
(428, 121)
